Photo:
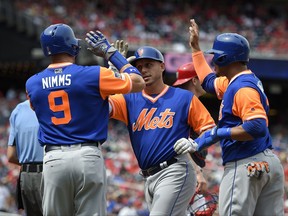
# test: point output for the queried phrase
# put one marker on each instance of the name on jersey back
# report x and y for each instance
(56, 81)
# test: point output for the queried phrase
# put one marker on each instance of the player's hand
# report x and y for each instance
(194, 36)
(256, 169)
(183, 145)
(212, 136)
(207, 139)
(122, 48)
(202, 186)
(131, 58)
(99, 45)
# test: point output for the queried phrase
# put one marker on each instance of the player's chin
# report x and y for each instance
(148, 82)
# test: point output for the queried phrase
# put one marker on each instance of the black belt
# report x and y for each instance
(59, 147)
(153, 170)
(31, 167)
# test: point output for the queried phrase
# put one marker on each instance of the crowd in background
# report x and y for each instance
(165, 24)
(125, 184)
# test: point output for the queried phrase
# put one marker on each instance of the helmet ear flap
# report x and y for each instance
(220, 59)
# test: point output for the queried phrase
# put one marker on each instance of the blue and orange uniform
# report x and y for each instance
(70, 93)
(243, 99)
(244, 103)
(155, 123)
(71, 104)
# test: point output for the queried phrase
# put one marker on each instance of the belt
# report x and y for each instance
(153, 170)
(59, 147)
(31, 167)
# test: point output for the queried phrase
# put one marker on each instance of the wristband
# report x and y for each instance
(132, 69)
(118, 60)
(224, 133)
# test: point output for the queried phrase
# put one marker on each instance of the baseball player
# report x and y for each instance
(71, 104)
(253, 179)
(156, 118)
(25, 150)
(187, 79)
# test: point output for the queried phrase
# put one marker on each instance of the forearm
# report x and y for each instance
(12, 155)
(137, 82)
(201, 66)
(238, 133)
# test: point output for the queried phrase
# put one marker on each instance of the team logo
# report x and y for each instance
(140, 52)
(58, 70)
(148, 121)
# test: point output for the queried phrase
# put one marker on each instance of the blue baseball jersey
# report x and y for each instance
(71, 102)
(238, 105)
(156, 122)
(24, 134)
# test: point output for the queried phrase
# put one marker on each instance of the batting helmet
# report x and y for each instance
(228, 48)
(59, 38)
(185, 73)
(147, 52)
(203, 204)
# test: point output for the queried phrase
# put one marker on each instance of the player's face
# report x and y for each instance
(219, 70)
(151, 70)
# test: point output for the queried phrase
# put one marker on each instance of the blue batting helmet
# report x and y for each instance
(59, 38)
(147, 52)
(228, 48)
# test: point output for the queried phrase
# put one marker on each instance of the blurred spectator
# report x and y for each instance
(265, 25)
(5, 198)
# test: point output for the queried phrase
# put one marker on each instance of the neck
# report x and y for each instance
(234, 69)
(155, 88)
(62, 57)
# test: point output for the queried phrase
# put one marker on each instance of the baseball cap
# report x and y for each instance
(185, 73)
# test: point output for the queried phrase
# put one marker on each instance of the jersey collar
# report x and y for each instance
(57, 65)
(154, 99)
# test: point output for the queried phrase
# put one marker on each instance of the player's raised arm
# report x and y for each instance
(201, 66)
(100, 46)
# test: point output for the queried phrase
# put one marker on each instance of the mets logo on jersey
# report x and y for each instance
(148, 122)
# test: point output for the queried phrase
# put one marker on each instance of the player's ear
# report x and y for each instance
(163, 66)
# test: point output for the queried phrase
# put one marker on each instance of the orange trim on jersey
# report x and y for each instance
(220, 86)
(199, 118)
(56, 65)
(201, 66)
(153, 100)
(221, 83)
(110, 83)
(241, 73)
(119, 108)
(247, 105)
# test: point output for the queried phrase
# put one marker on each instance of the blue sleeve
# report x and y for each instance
(256, 127)
(208, 83)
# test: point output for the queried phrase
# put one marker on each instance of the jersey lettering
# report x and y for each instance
(63, 107)
(165, 120)
(55, 81)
